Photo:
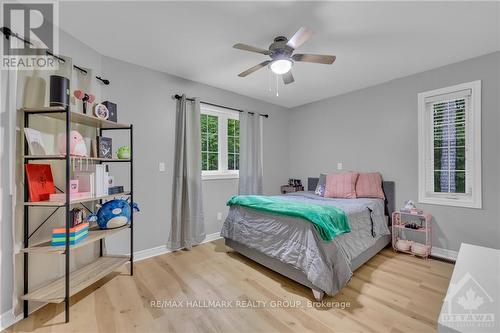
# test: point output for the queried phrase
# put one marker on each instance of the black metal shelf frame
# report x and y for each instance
(67, 158)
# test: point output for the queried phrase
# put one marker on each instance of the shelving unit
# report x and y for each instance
(71, 283)
(399, 223)
(55, 291)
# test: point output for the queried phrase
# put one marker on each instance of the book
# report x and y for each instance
(35, 142)
(104, 147)
(40, 182)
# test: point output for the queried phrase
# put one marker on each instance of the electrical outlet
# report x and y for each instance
(161, 166)
(339, 166)
(219, 216)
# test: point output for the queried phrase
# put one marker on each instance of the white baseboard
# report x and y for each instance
(159, 250)
(444, 253)
(8, 319)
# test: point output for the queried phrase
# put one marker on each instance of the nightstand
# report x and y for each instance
(289, 189)
(406, 226)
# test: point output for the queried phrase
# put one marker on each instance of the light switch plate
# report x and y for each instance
(219, 216)
(161, 166)
(339, 166)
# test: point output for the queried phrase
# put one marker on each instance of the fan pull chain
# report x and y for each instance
(277, 92)
(269, 76)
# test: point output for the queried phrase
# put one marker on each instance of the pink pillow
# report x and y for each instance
(341, 185)
(369, 185)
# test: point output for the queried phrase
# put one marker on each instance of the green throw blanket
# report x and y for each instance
(329, 221)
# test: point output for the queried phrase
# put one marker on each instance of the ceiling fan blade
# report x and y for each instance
(300, 37)
(288, 77)
(254, 68)
(316, 58)
(250, 48)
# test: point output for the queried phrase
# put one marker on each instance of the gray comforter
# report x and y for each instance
(295, 241)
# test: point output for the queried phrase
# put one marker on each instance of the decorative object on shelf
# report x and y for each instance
(410, 221)
(77, 145)
(123, 153)
(113, 110)
(403, 245)
(73, 186)
(77, 217)
(115, 189)
(113, 214)
(35, 142)
(410, 207)
(104, 147)
(111, 181)
(420, 249)
(59, 91)
(289, 189)
(40, 182)
(85, 98)
(101, 111)
(294, 185)
(76, 235)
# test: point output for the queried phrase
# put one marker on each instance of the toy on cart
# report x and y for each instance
(412, 222)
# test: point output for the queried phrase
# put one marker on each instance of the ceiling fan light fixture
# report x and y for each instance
(281, 66)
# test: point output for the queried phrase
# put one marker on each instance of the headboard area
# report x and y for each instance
(388, 187)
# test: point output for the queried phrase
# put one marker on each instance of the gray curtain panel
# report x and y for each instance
(250, 154)
(187, 227)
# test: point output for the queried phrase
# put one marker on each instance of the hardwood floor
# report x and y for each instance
(390, 293)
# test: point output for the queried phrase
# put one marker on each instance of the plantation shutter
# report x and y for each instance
(447, 163)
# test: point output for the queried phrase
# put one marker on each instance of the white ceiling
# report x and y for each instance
(373, 42)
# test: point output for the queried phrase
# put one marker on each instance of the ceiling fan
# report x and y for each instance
(282, 57)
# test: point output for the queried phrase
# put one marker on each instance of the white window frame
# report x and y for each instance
(223, 115)
(473, 196)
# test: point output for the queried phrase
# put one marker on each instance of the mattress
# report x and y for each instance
(294, 241)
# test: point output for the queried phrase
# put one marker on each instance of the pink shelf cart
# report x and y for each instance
(400, 222)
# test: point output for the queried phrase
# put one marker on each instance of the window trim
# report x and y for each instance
(223, 115)
(473, 123)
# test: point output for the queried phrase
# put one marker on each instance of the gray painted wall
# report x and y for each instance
(375, 129)
(144, 99)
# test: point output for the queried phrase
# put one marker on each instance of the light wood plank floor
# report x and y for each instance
(390, 293)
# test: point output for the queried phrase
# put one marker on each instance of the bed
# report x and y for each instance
(292, 247)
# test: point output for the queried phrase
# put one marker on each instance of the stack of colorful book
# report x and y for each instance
(76, 235)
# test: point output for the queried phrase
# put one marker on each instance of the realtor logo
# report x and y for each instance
(30, 31)
(468, 305)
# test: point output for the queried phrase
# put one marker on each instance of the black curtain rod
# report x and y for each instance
(177, 96)
(8, 33)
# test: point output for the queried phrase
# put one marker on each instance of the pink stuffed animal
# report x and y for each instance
(77, 145)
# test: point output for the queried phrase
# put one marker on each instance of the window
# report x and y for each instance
(220, 142)
(450, 146)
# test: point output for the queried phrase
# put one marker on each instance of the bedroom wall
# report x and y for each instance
(375, 129)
